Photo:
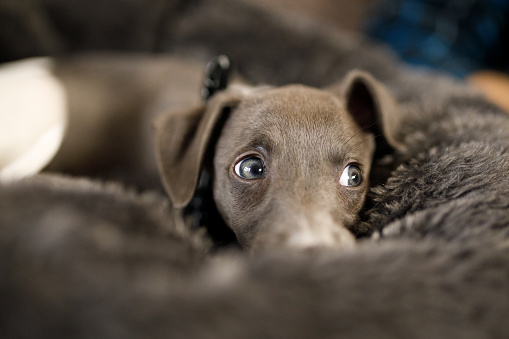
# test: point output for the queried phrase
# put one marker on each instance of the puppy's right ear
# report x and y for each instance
(373, 108)
(182, 139)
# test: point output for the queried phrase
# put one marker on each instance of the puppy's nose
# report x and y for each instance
(320, 232)
(303, 231)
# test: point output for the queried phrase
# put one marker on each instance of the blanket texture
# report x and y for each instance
(86, 260)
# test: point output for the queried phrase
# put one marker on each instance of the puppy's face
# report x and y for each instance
(290, 164)
(291, 167)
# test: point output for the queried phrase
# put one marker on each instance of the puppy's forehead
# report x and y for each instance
(292, 109)
(289, 118)
(295, 102)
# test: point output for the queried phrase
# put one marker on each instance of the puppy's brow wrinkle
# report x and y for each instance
(336, 158)
(263, 141)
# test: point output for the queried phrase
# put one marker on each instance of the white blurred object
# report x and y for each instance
(33, 117)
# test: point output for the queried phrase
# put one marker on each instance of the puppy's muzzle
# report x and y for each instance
(303, 231)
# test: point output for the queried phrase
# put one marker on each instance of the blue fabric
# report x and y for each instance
(457, 36)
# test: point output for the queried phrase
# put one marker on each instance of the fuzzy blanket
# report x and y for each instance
(84, 259)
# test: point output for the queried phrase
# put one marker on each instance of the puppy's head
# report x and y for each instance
(289, 164)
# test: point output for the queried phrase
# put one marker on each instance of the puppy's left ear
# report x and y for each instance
(373, 108)
(182, 139)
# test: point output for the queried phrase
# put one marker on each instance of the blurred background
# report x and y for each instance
(456, 36)
(468, 39)
(48, 27)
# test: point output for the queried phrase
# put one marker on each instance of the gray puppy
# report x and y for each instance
(453, 180)
(289, 165)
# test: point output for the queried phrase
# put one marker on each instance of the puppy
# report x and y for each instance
(289, 165)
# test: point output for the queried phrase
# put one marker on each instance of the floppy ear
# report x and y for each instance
(182, 139)
(373, 108)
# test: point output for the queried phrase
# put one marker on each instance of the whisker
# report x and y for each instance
(361, 130)
(363, 140)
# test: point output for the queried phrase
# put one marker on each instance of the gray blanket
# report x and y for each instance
(84, 260)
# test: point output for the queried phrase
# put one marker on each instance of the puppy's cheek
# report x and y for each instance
(348, 218)
(248, 196)
(245, 233)
(349, 207)
(248, 204)
(221, 200)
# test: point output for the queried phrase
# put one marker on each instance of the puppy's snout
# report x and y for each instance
(320, 230)
(304, 231)
(321, 237)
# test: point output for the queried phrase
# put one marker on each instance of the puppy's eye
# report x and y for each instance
(351, 176)
(250, 168)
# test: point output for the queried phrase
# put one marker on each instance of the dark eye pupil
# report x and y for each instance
(354, 177)
(251, 168)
